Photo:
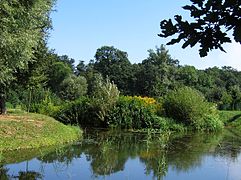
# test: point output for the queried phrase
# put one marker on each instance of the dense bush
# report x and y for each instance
(75, 112)
(91, 111)
(134, 113)
(35, 99)
(189, 106)
(73, 87)
(104, 97)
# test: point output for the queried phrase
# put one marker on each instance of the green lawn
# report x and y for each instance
(21, 130)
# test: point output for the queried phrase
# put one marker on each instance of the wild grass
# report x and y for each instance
(21, 130)
(230, 116)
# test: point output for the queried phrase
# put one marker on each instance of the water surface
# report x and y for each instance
(122, 155)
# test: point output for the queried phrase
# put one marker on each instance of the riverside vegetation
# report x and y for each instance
(109, 91)
(174, 98)
(99, 96)
(21, 131)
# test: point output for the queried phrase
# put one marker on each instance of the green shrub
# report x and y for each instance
(35, 99)
(104, 97)
(91, 111)
(73, 87)
(48, 104)
(168, 124)
(75, 112)
(133, 113)
(9, 105)
(189, 106)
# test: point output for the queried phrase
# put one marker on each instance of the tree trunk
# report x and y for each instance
(2, 104)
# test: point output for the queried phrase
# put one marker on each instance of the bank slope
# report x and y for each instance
(21, 130)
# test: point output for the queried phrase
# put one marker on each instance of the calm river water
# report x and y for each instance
(123, 155)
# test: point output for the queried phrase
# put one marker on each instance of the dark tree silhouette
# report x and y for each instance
(212, 20)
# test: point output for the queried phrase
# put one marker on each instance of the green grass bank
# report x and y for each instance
(231, 118)
(21, 130)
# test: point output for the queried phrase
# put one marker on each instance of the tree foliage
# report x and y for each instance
(114, 64)
(212, 21)
(189, 106)
(73, 87)
(23, 25)
(157, 73)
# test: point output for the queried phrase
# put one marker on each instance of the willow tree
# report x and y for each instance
(23, 25)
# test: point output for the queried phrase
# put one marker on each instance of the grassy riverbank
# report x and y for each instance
(21, 130)
(231, 118)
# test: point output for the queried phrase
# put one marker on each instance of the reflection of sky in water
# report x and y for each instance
(213, 168)
(210, 168)
(130, 156)
(78, 169)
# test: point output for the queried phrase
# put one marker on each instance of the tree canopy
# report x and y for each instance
(212, 20)
(23, 25)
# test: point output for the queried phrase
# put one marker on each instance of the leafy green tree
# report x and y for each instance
(58, 71)
(23, 26)
(157, 73)
(188, 75)
(229, 76)
(212, 20)
(81, 69)
(235, 93)
(67, 60)
(204, 80)
(114, 64)
(35, 73)
(104, 96)
(215, 74)
(215, 94)
(226, 100)
(73, 87)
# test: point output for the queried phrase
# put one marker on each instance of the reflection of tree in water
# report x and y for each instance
(112, 150)
(29, 175)
(62, 155)
(22, 175)
(157, 153)
(185, 154)
(108, 152)
(230, 146)
(4, 173)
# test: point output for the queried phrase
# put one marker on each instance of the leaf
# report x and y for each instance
(221, 48)
(198, 2)
(186, 44)
(178, 18)
(203, 52)
(168, 28)
(187, 7)
(237, 33)
(194, 41)
(173, 41)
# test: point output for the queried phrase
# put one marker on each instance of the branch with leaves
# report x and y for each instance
(212, 20)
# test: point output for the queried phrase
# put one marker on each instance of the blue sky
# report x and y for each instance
(82, 26)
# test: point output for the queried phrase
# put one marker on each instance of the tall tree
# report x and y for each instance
(188, 75)
(157, 72)
(73, 87)
(212, 20)
(24, 23)
(114, 63)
